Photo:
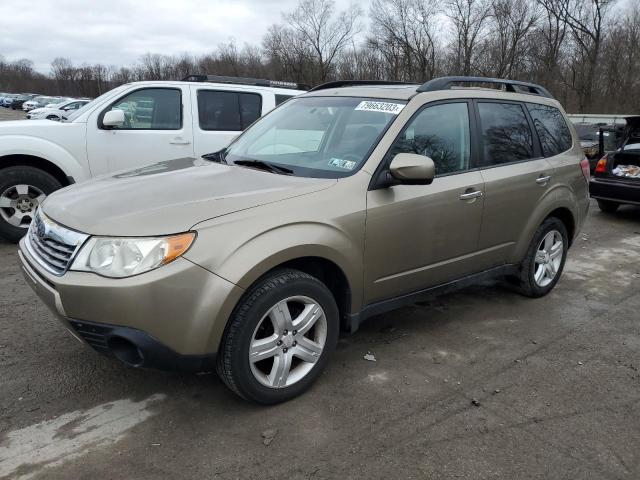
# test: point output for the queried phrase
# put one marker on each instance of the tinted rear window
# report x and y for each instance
(282, 98)
(552, 129)
(506, 136)
(227, 111)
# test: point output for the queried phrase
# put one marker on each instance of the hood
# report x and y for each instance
(170, 197)
(31, 128)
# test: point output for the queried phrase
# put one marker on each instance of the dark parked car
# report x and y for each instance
(20, 99)
(617, 174)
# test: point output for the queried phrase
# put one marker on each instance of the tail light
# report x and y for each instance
(586, 169)
(601, 166)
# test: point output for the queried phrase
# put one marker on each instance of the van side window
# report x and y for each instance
(506, 136)
(440, 132)
(552, 129)
(151, 109)
(227, 111)
(282, 98)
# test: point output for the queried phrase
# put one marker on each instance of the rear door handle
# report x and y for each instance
(471, 195)
(179, 141)
(543, 180)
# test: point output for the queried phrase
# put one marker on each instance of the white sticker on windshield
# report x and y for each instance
(383, 107)
(346, 164)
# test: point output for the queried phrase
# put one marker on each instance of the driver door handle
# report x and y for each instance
(179, 141)
(471, 195)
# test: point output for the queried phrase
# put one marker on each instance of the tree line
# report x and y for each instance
(586, 52)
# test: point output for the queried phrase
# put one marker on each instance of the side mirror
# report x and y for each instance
(113, 118)
(412, 169)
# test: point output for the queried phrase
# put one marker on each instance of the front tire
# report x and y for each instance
(22, 190)
(608, 206)
(544, 261)
(279, 337)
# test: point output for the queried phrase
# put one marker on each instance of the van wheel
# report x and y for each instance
(279, 337)
(542, 265)
(608, 206)
(22, 190)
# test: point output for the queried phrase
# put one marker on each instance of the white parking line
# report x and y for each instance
(50, 443)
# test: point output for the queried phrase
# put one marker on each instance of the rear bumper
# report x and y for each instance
(170, 318)
(615, 190)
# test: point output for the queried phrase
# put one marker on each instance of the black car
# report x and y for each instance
(20, 99)
(617, 175)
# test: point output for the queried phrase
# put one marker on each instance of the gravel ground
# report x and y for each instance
(8, 114)
(478, 384)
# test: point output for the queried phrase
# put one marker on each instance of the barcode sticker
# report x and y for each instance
(383, 107)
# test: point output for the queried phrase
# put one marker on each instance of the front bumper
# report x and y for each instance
(169, 318)
(623, 191)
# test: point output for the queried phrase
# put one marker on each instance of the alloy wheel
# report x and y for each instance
(288, 341)
(18, 204)
(548, 258)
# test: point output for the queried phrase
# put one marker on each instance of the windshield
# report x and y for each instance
(327, 137)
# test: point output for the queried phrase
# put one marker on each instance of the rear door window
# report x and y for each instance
(552, 129)
(227, 111)
(506, 136)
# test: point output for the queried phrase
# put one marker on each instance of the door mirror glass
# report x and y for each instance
(412, 169)
(113, 118)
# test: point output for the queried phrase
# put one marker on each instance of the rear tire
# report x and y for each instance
(543, 263)
(608, 206)
(257, 344)
(22, 190)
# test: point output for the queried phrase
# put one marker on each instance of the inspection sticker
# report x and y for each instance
(338, 162)
(383, 107)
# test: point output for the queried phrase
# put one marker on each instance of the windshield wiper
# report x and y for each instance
(269, 167)
(217, 157)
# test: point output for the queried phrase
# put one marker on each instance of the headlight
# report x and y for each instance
(124, 257)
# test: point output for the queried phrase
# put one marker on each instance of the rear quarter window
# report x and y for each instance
(282, 98)
(552, 129)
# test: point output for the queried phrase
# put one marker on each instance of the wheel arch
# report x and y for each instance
(329, 273)
(566, 217)
(561, 211)
(17, 160)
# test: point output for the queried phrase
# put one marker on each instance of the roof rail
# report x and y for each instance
(245, 81)
(354, 83)
(445, 83)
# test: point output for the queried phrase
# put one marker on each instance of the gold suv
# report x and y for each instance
(344, 202)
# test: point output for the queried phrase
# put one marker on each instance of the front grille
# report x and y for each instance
(94, 335)
(51, 245)
(56, 255)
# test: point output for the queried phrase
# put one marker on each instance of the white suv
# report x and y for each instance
(130, 126)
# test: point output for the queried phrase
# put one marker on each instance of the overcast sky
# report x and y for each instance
(117, 32)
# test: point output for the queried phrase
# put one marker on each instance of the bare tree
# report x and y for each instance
(506, 49)
(322, 33)
(586, 20)
(403, 31)
(469, 18)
